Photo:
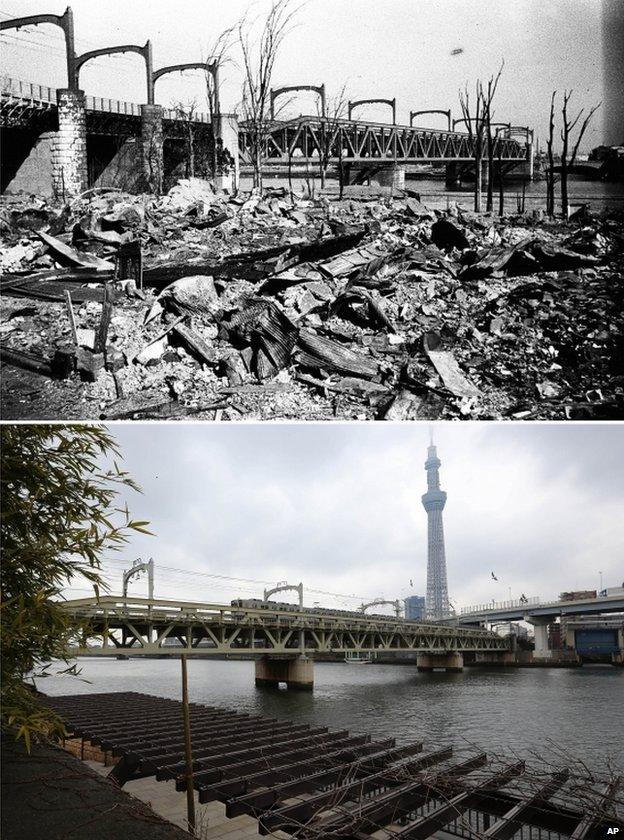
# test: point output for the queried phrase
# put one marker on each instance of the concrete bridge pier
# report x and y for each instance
(297, 673)
(541, 652)
(448, 661)
(69, 147)
(152, 161)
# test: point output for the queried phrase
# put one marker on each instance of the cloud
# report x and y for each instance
(338, 507)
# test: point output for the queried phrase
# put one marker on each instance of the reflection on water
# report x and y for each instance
(433, 192)
(580, 710)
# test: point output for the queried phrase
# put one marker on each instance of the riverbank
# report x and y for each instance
(49, 793)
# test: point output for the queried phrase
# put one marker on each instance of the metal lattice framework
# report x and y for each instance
(301, 139)
(157, 626)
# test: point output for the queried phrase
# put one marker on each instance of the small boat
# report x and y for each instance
(358, 658)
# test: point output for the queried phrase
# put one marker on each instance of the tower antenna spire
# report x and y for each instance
(434, 500)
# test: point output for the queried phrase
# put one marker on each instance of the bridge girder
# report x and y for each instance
(141, 626)
(351, 141)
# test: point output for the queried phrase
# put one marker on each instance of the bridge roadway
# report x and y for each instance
(283, 643)
(540, 612)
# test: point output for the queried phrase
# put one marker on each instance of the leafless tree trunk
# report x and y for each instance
(186, 114)
(550, 171)
(480, 129)
(258, 63)
(568, 162)
(501, 186)
(217, 59)
(330, 140)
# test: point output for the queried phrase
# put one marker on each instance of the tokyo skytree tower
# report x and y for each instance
(437, 603)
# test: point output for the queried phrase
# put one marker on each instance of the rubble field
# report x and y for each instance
(268, 307)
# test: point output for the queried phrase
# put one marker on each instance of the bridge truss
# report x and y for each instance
(352, 141)
(143, 626)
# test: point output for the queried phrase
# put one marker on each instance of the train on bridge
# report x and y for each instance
(276, 607)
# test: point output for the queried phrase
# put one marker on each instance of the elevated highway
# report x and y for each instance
(541, 615)
(518, 611)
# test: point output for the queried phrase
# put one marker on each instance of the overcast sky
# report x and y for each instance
(339, 507)
(379, 48)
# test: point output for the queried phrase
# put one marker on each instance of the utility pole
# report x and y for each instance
(188, 751)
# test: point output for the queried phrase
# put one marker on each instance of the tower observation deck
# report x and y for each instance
(437, 604)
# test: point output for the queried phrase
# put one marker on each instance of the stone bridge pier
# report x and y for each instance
(297, 673)
(449, 661)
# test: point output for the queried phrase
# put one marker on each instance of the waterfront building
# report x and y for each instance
(415, 607)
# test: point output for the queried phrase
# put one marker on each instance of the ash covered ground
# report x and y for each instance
(272, 307)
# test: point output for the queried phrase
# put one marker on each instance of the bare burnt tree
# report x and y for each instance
(186, 112)
(566, 136)
(259, 62)
(475, 126)
(330, 143)
(487, 111)
(479, 127)
(218, 58)
(550, 169)
(567, 159)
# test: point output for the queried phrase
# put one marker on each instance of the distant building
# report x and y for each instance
(415, 607)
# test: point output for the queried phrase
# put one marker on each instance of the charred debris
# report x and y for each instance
(264, 306)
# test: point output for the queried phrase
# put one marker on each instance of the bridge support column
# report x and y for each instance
(446, 661)
(392, 176)
(541, 652)
(69, 150)
(152, 147)
(296, 673)
(226, 137)
(618, 658)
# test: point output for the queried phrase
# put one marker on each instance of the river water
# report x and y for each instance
(544, 710)
(600, 195)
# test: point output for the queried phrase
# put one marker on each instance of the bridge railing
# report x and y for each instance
(500, 605)
(28, 91)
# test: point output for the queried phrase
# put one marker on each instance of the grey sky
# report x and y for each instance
(384, 49)
(338, 506)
